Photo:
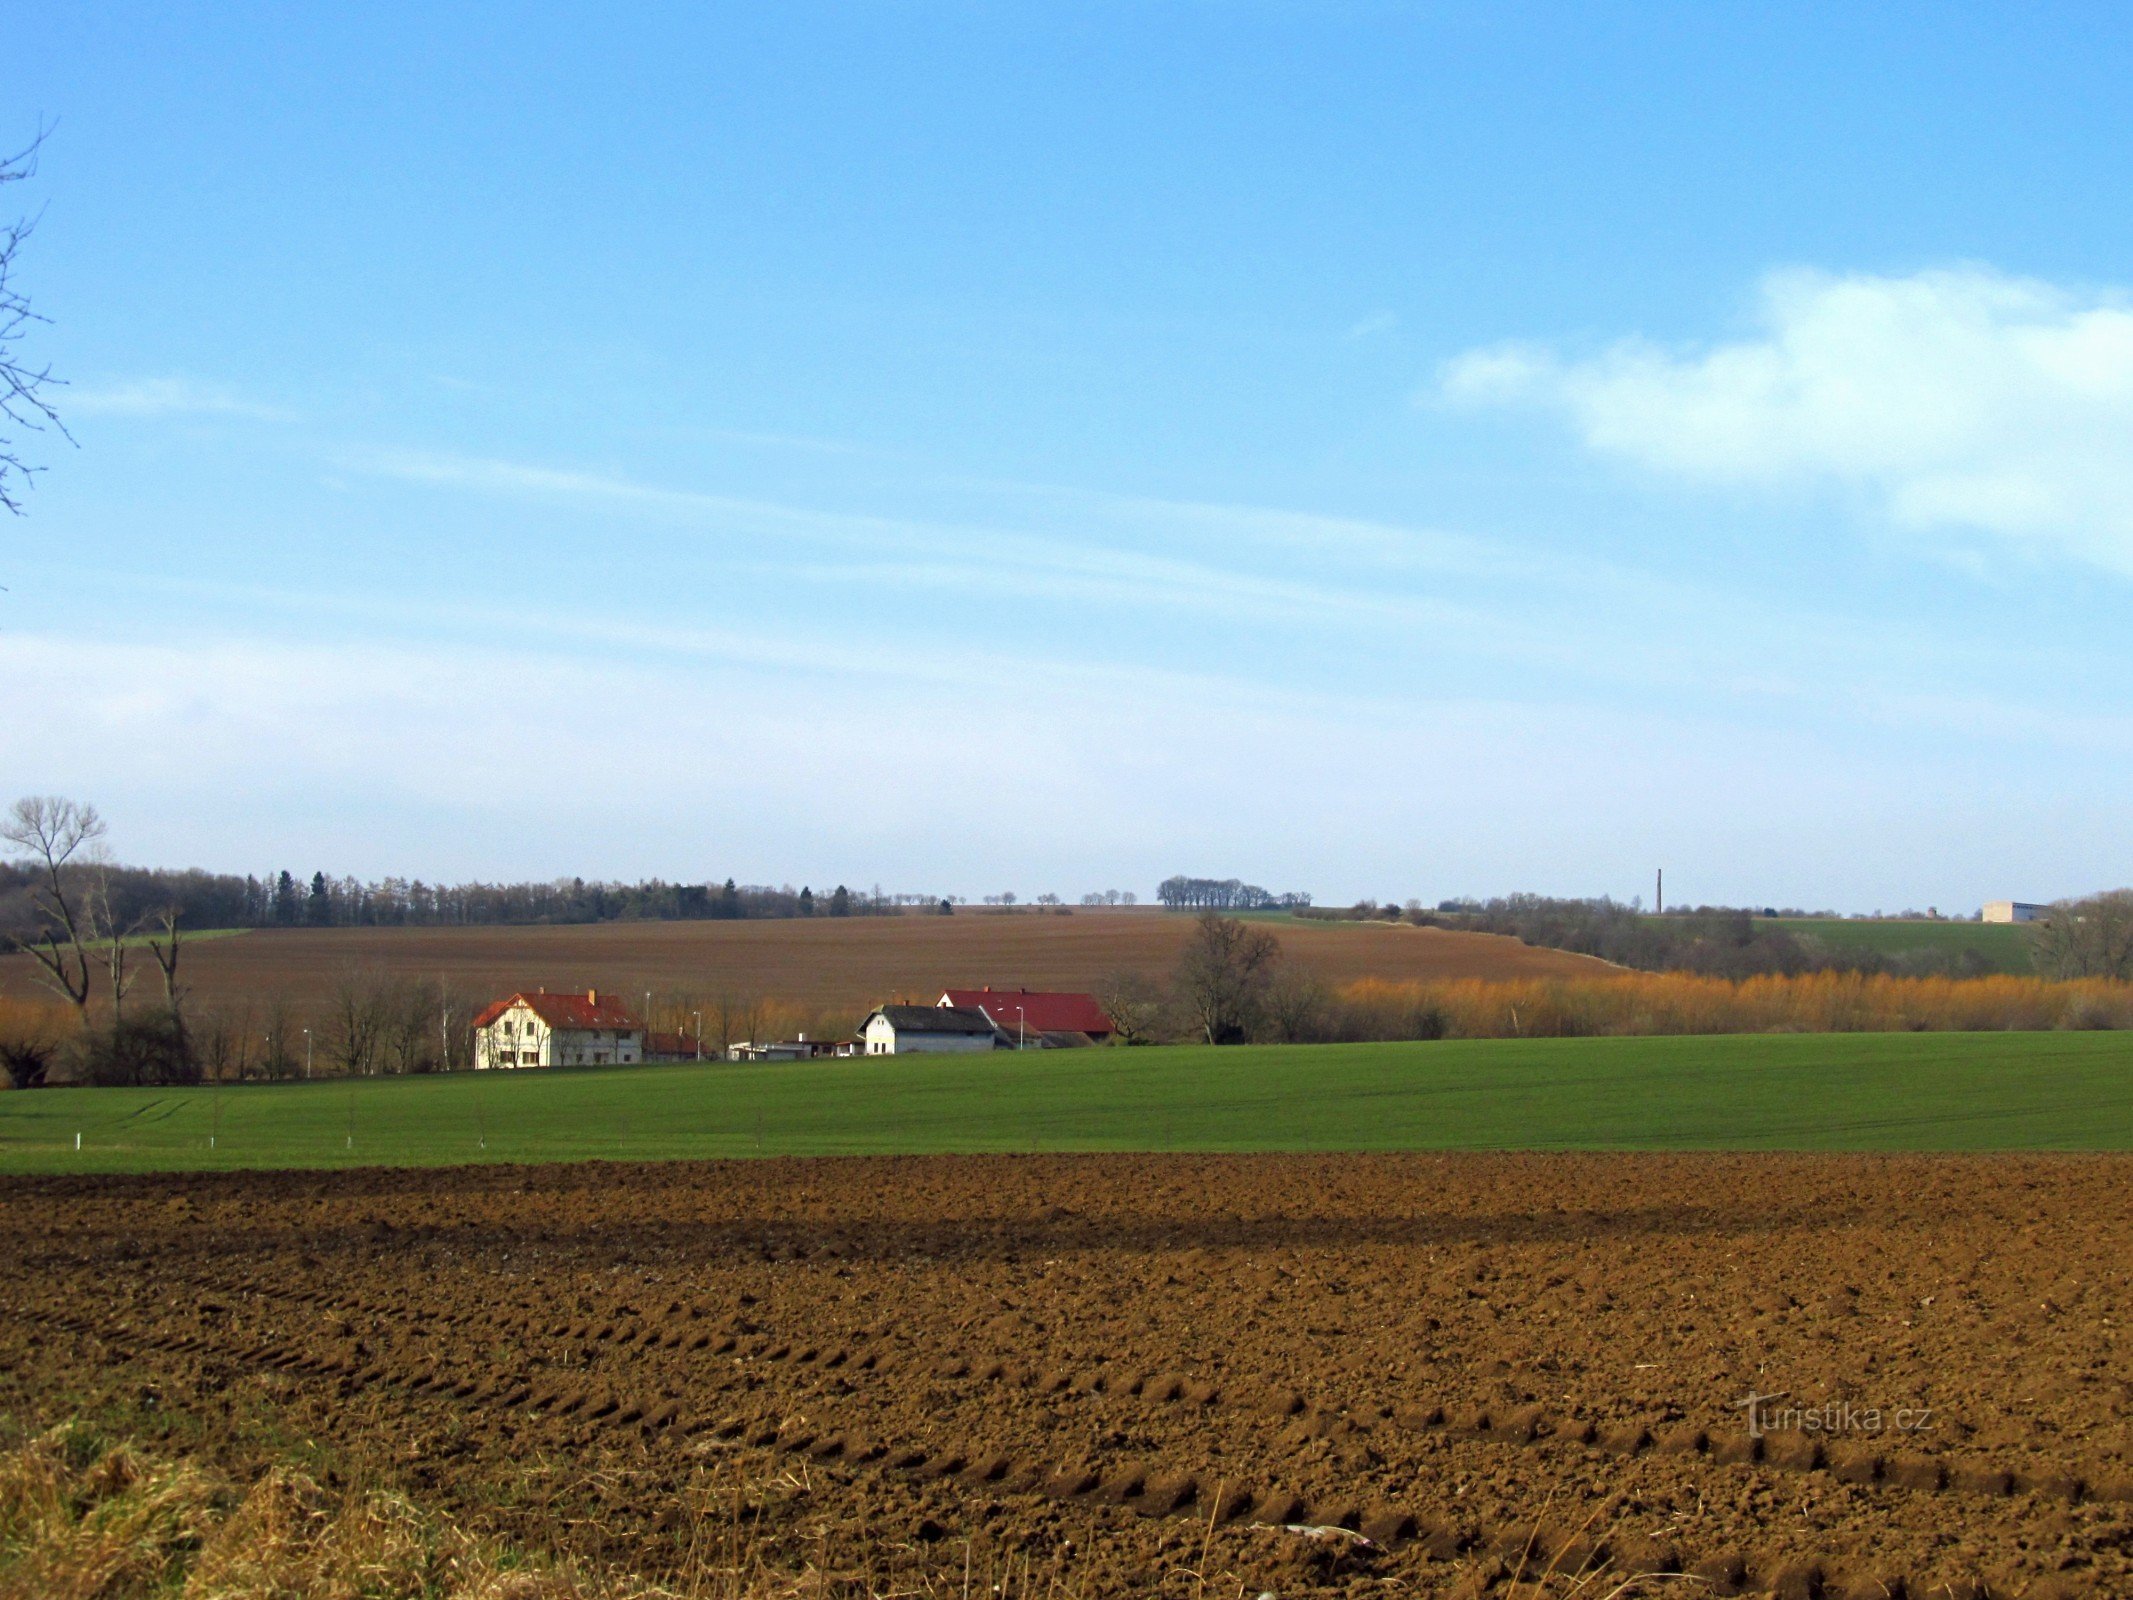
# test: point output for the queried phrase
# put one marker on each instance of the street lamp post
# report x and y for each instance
(1021, 1020)
(307, 1052)
(699, 1016)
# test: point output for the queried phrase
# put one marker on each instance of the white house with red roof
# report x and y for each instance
(1036, 1016)
(557, 1030)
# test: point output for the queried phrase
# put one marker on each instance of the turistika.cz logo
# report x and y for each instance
(1769, 1413)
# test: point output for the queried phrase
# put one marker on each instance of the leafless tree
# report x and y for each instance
(112, 948)
(22, 401)
(733, 1018)
(226, 1039)
(1223, 974)
(278, 1059)
(1135, 1003)
(2091, 938)
(163, 944)
(60, 840)
(1298, 1007)
(356, 1025)
(413, 1038)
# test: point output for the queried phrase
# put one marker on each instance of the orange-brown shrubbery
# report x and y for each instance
(1649, 1003)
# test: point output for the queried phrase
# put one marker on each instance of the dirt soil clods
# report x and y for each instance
(1455, 1372)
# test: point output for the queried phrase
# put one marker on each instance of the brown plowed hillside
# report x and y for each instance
(823, 961)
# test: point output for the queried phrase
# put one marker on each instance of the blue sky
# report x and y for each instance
(1369, 448)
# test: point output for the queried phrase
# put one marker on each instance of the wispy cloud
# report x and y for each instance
(167, 397)
(1960, 404)
(1372, 326)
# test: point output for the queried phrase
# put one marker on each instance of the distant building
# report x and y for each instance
(1036, 1017)
(927, 1030)
(557, 1030)
(674, 1047)
(2014, 911)
(800, 1049)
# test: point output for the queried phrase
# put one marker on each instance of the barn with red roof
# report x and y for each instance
(1036, 1015)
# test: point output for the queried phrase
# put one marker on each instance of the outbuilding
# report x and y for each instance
(926, 1030)
(1036, 1018)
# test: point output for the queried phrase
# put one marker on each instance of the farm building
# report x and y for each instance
(800, 1049)
(926, 1030)
(2013, 911)
(557, 1030)
(1046, 1018)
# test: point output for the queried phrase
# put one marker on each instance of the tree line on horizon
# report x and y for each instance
(206, 900)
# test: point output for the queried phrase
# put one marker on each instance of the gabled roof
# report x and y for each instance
(591, 1009)
(1035, 1010)
(931, 1019)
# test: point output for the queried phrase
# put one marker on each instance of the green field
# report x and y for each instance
(2045, 1091)
(2003, 946)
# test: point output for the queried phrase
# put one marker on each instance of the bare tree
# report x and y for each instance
(112, 941)
(225, 1040)
(278, 1060)
(1135, 1004)
(60, 839)
(412, 1040)
(22, 402)
(1298, 1007)
(734, 1018)
(356, 1025)
(163, 945)
(2091, 938)
(1223, 974)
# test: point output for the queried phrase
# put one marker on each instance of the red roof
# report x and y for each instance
(588, 1010)
(1036, 1010)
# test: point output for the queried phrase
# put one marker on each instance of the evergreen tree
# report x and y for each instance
(318, 905)
(285, 899)
(841, 902)
(807, 901)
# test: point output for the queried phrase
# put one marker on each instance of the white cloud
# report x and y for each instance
(1958, 403)
(165, 397)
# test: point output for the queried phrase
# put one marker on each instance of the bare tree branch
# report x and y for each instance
(23, 406)
(51, 833)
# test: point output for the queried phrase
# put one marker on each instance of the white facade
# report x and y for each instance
(882, 1037)
(2014, 911)
(521, 1037)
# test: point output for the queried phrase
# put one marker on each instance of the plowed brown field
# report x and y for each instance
(821, 961)
(1126, 1373)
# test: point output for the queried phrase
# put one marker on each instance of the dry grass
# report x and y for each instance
(83, 1519)
(1642, 1004)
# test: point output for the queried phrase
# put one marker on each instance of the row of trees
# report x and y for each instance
(2082, 938)
(284, 900)
(1180, 893)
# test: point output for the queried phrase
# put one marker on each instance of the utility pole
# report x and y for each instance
(1659, 894)
(699, 1034)
(307, 1052)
